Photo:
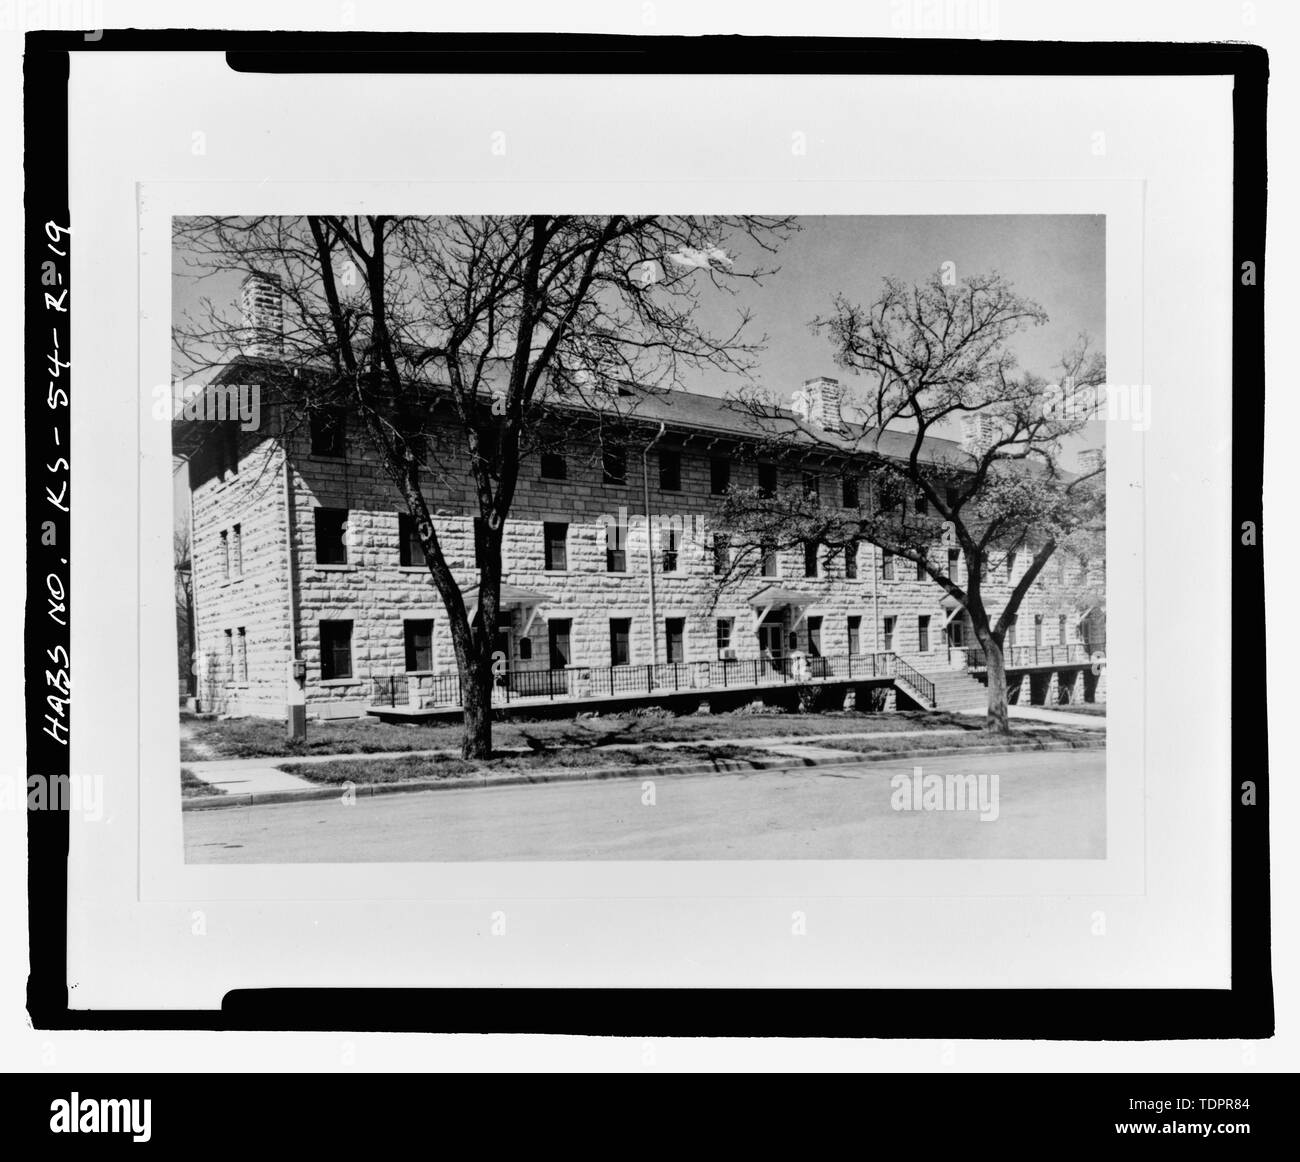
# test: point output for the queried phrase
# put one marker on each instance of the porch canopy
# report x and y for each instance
(772, 597)
(512, 597)
(951, 607)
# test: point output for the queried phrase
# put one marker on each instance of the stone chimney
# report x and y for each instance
(1090, 459)
(978, 433)
(262, 302)
(817, 403)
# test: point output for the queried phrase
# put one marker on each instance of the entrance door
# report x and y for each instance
(771, 646)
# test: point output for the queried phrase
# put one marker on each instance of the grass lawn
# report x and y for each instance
(410, 767)
(192, 787)
(262, 738)
(1018, 738)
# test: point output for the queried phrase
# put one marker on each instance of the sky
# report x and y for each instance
(1057, 260)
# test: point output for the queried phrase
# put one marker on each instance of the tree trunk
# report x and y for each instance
(997, 721)
(476, 701)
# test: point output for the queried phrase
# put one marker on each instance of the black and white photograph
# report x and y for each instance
(623, 539)
(801, 516)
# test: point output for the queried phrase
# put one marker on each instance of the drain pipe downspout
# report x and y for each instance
(649, 543)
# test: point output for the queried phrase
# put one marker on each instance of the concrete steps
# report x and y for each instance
(954, 690)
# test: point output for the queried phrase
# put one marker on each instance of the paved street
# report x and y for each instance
(1051, 805)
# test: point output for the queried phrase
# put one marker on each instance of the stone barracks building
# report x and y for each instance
(299, 554)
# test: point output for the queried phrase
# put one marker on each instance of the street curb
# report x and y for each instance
(600, 774)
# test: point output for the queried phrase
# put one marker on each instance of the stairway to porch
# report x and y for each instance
(956, 691)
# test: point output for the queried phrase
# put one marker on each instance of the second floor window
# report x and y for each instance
(850, 492)
(1060, 629)
(409, 550)
(554, 466)
(770, 566)
(237, 550)
(810, 558)
(1011, 564)
(615, 548)
(721, 554)
(851, 560)
(614, 463)
(921, 574)
(887, 565)
(670, 548)
(719, 475)
(328, 433)
(812, 485)
(556, 537)
(331, 536)
(225, 555)
(954, 557)
(670, 470)
(767, 480)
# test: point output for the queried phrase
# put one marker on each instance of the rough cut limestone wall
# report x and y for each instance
(254, 598)
(377, 594)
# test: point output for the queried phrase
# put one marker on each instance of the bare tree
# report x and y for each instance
(183, 572)
(467, 344)
(920, 356)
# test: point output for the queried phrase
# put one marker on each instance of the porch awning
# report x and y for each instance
(511, 597)
(772, 597)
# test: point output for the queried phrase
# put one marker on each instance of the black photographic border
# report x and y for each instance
(1243, 1011)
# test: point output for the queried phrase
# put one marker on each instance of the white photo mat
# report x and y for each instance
(1165, 192)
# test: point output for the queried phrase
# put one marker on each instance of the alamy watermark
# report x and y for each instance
(212, 402)
(950, 792)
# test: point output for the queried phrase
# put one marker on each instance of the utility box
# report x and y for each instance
(296, 700)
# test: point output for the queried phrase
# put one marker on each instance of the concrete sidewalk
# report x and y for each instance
(261, 775)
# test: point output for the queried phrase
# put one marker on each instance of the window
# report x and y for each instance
(767, 480)
(525, 649)
(554, 466)
(954, 559)
(921, 574)
(1038, 629)
(419, 645)
(228, 451)
(719, 475)
(615, 548)
(241, 656)
(335, 650)
(237, 550)
(557, 537)
(814, 637)
(923, 634)
(770, 563)
(670, 471)
(724, 628)
(921, 504)
(409, 550)
(855, 634)
(851, 560)
(1060, 568)
(889, 494)
(328, 434)
(890, 622)
(331, 536)
(721, 554)
(480, 542)
(557, 634)
(886, 565)
(1060, 629)
(230, 655)
(225, 555)
(1011, 563)
(810, 558)
(812, 485)
(620, 630)
(674, 639)
(953, 496)
(614, 461)
(850, 492)
(1011, 635)
(671, 545)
